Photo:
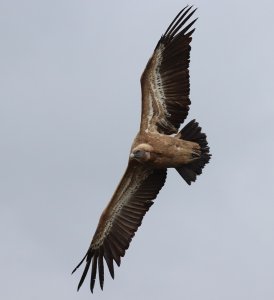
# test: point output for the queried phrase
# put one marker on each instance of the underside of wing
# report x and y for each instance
(165, 81)
(121, 219)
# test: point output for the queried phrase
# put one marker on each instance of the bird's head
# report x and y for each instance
(141, 153)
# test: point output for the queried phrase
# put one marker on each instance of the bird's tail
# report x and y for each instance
(192, 132)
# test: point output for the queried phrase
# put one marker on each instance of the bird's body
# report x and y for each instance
(165, 151)
(159, 145)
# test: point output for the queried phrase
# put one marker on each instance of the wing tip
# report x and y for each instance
(88, 258)
(182, 17)
(82, 260)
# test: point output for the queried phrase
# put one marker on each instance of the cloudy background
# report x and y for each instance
(69, 109)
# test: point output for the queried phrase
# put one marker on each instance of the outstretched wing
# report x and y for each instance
(121, 219)
(165, 80)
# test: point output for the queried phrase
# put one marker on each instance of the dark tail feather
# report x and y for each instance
(192, 132)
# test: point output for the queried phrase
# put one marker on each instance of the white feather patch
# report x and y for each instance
(129, 188)
(158, 94)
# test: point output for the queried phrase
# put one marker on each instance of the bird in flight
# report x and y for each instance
(159, 145)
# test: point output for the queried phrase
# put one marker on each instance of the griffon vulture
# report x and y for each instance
(158, 145)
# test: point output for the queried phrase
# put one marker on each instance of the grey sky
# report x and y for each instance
(69, 109)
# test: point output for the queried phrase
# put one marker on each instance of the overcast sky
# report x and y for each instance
(69, 110)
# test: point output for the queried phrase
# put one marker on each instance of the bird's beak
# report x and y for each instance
(131, 155)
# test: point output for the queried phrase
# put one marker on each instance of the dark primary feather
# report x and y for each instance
(123, 228)
(174, 46)
(174, 70)
(181, 18)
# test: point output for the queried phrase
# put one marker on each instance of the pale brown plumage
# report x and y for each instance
(165, 105)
